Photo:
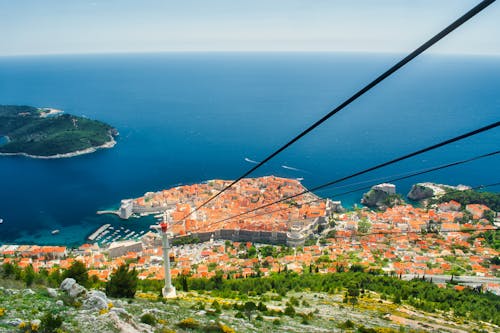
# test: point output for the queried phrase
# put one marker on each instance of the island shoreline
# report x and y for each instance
(107, 145)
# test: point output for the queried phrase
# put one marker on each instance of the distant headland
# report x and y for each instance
(49, 133)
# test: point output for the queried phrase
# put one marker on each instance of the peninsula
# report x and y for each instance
(49, 133)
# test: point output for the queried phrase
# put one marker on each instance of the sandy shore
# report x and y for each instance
(109, 144)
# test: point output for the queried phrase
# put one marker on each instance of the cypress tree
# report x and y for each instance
(123, 283)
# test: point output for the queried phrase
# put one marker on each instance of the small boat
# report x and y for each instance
(55, 232)
(1, 221)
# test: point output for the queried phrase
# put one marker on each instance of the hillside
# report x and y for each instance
(343, 308)
(48, 133)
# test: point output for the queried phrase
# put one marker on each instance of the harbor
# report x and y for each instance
(107, 234)
(98, 232)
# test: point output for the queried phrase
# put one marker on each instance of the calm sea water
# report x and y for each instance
(186, 118)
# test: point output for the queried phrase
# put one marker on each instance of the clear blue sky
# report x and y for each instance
(105, 26)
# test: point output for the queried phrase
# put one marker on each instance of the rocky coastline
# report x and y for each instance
(423, 191)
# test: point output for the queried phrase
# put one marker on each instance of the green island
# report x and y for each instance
(48, 133)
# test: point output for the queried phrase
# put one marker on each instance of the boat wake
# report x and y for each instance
(251, 161)
(293, 169)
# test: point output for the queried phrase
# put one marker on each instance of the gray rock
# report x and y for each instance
(118, 303)
(126, 327)
(6, 292)
(422, 191)
(52, 292)
(14, 322)
(98, 293)
(95, 302)
(59, 303)
(67, 284)
(119, 311)
(28, 292)
(76, 290)
(378, 195)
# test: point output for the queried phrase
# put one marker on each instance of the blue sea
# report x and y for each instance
(185, 118)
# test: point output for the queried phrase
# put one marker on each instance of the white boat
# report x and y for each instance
(55, 232)
(1, 221)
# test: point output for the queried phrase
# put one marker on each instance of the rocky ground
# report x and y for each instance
(22, 310)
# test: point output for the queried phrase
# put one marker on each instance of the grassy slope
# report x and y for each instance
(324, 312)
(49, 136)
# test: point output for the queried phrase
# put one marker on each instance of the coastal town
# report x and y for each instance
(316, 235)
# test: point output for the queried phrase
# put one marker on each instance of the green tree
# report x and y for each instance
(466, 217)
(28, 275)
(9, 269)
(352, 294)
(331, 221)
(289, 310)
(252, 251)
(249, 308)
(55, 278)
(77, 271)
(184, 282)
(123, 282)
(489, 215)
(356, 268)
(364, 225)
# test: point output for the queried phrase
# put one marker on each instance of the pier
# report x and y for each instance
(99, 231)
(103, 212)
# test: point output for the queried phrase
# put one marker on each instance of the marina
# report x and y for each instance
(107, 234)
(96, 233)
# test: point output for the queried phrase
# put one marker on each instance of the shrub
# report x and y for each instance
(188, 323)
(149, 319)
(289, 310)
(225, 329)
(347, 324)
(50, 323)
(217, 328)
(216, 306)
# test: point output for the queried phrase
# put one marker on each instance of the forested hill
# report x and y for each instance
(45, 132)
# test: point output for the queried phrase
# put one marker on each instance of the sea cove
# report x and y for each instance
(185, 118)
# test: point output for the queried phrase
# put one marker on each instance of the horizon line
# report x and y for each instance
(242, 51)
